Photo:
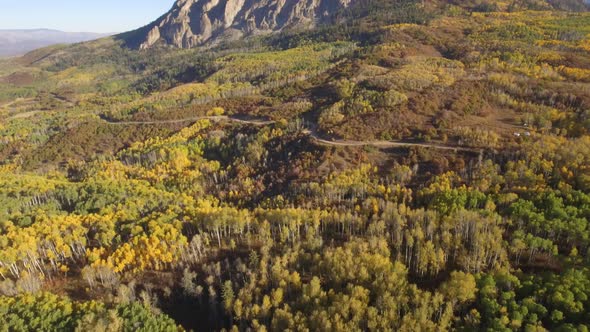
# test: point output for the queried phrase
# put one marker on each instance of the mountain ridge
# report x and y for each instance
(191, 23)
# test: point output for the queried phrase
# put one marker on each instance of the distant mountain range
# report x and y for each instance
(17, 42)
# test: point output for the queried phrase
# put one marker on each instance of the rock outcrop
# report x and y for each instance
(192, 23)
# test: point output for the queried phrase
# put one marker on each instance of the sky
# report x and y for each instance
(81, 15)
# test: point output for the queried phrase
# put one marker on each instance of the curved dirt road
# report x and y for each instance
(312, 133)
(193, 119)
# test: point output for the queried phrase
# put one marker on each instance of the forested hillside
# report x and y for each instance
(406, 166)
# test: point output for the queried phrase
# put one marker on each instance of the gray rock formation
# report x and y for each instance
(195, 22)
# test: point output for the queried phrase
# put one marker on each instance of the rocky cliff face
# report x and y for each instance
(194, 22)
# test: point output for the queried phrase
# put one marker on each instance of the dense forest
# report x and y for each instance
(407, 166)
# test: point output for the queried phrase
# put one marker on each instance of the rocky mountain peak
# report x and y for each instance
(192, 23)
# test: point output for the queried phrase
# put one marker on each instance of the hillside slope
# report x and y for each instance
(403, 166)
